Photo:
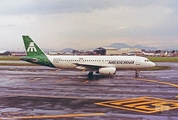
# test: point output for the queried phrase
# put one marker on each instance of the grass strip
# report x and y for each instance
(18, 64)
(159, 68)
(163, 59)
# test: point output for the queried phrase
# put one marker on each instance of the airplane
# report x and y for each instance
(148, 54)
(104, 65)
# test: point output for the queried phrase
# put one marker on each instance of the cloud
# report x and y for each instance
(67, 6)
(88, 23)
(51, 6)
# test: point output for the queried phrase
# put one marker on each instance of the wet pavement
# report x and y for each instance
(37, 92)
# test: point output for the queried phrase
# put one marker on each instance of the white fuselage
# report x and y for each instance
(119, 62)
(105, 65)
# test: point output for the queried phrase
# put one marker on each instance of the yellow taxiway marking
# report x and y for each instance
(61, 80)
(86, 81)
(35, 79)
(55, 116)
(142, 104)
(156, 81)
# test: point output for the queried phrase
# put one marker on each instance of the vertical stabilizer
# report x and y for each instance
(31, 48)
(34, 53)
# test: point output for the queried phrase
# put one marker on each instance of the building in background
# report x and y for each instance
(115, 51)
(5, 52)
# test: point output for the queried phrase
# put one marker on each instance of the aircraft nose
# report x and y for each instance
(153, 64)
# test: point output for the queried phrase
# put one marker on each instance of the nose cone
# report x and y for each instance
(152, 64)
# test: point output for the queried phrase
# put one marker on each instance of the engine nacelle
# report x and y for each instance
(107, 71)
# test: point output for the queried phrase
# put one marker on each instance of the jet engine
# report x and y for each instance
(107, 71)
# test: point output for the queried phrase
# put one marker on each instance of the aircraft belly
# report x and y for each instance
(125, 66)
(65, 65)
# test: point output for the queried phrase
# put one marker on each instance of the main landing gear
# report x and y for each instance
(90, 74)
(136, 73)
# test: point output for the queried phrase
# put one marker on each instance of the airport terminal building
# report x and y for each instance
(115, 51)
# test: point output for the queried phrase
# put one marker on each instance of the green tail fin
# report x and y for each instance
(34, 53)
(31, 48)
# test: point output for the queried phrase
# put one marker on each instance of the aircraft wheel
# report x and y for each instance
(136, 74)
(90, 74)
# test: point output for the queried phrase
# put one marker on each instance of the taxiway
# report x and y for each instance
(36, 92)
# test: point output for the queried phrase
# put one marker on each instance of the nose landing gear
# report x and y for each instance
(136, 73)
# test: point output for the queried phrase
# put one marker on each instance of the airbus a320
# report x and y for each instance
(104, 65)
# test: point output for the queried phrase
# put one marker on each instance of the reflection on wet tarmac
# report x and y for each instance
(40, 91)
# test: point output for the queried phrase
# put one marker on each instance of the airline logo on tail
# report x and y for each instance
(31, 47)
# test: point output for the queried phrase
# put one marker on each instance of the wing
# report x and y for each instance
(92, 66)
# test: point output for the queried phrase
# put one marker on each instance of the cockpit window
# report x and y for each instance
(146, 60)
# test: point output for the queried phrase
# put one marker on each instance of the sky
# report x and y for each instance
(83, 24)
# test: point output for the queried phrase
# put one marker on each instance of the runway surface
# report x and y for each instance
(36, 92)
